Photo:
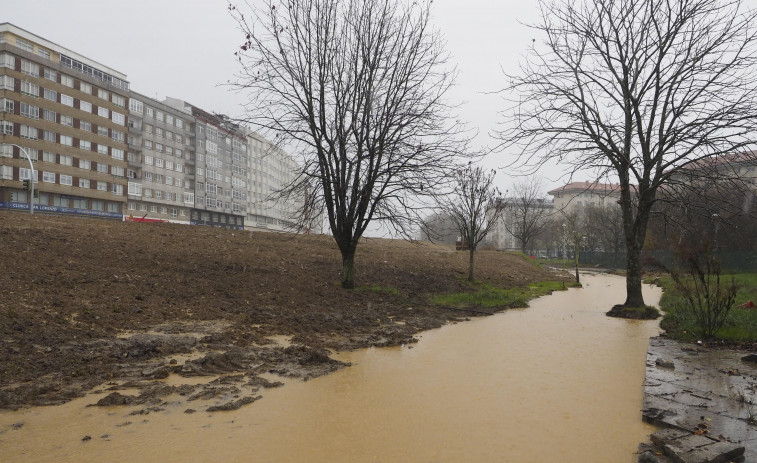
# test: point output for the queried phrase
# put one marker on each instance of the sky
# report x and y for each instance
(185, 49)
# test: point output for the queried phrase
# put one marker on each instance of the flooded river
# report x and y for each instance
(558, 381)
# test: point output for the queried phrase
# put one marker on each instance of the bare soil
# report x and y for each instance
(86, 302)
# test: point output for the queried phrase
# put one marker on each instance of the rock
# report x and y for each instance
(233, 405)
(160, 372)
(648, 457)
(86, 438)
(664, 363)
(115, 398)
(750, 358)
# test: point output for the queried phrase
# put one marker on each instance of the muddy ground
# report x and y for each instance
(86, 302)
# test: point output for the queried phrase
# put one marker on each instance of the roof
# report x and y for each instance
(596, 187)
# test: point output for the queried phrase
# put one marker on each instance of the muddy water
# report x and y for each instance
(556, 382)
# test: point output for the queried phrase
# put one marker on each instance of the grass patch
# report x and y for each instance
(487, 296)
(740, 325)
(379, 289)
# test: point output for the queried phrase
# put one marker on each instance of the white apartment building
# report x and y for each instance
(577, 195)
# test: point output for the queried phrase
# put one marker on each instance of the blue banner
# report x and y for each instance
(61, 210)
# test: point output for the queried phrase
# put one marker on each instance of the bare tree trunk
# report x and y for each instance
(470, 263)
(634, 297)
(348, 269)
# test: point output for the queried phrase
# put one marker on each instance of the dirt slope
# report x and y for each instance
(70, 286)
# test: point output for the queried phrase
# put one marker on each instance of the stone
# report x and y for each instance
(648, 457)
(750, 358)
(664, 363)
(660, 438)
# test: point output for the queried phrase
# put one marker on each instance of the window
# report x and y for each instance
(7, 83)
(211, 147)
(66, 180)
(49, 136)
(143, 207)
(118, 118)
(148, 128)
(178, 153)
(200, 171)
(116, 153)
(115, 207)
(49, 115)
(43, 53)
(7, 61)
(49, 157)
(135, 189)
(102, 93)
(26, 174)
(29, 111)
(169, 119)
(66, 160)
(159, 147)
(28, 88)
(148, 111)
(117, 189)
(24, 45)
(158, 162)
(117, 136)
(164, 210)
(102, 167)
(154, 209)
(68, 81)
(48, 177)
(159, 116)
(136, 106)
(158, 178)
(29, 132)
(148, 176)
(66, 140)
(169, 180)
(158, 194)
(85, 106)
(159, 131)
(102, 149)
(51, 75)
(51, 95)
(98, 205)
(131, 206)
(118, 100)
(84, 125)
(102, 186)
(169, 135)
(85, 164)
(67, 120)
(85, 87)
(148, 160)
(102, 130)
(103, 112)
(66, 100)
(6, 127)
(147, 192)
(6, 151)
(174, 212)
(179, 167)
(179, 181)
(179, 124)
(169, 165)
(83, 183)
(80, 203)
(118, 171)
(29, 68)
(85, 145)
(6, 172)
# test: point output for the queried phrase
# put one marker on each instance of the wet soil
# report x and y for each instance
(86, 302)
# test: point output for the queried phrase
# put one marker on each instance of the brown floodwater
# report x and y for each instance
(558, 381)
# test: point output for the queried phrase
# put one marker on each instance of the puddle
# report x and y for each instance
(559, 381)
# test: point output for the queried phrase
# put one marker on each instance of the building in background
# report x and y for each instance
(522, 219)
(160, 161)
(100, 149)
(577, 195)
(69, 114)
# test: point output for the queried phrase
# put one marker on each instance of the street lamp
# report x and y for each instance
(33, 175)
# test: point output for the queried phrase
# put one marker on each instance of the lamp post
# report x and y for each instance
(33, 176)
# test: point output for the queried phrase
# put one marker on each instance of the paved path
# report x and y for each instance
(711, 392)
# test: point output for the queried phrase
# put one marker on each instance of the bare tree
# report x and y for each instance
(356, 88)
(474, 206)
(604, 228)
(639, 90)
(526, 212)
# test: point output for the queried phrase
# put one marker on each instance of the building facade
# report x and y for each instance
(160, 161)
(69, 115)
(577, 195)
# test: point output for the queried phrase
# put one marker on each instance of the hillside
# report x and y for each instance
(85, 300)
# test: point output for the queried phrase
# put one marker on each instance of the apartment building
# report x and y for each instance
(577, 195)
(218, 147)
(68, 114)
(160, 161)
(273, 202)
(521, 218)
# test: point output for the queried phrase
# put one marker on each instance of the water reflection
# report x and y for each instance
(556, 382)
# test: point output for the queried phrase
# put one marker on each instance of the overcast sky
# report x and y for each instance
(185, 49)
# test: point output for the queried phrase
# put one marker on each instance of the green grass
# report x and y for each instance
(741, 324)
(379, 289)
(487, 296)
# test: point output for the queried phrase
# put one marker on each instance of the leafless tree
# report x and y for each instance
(355, 88)
(474, 206)
(637, 90)
(526, 211)
(604, 228)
